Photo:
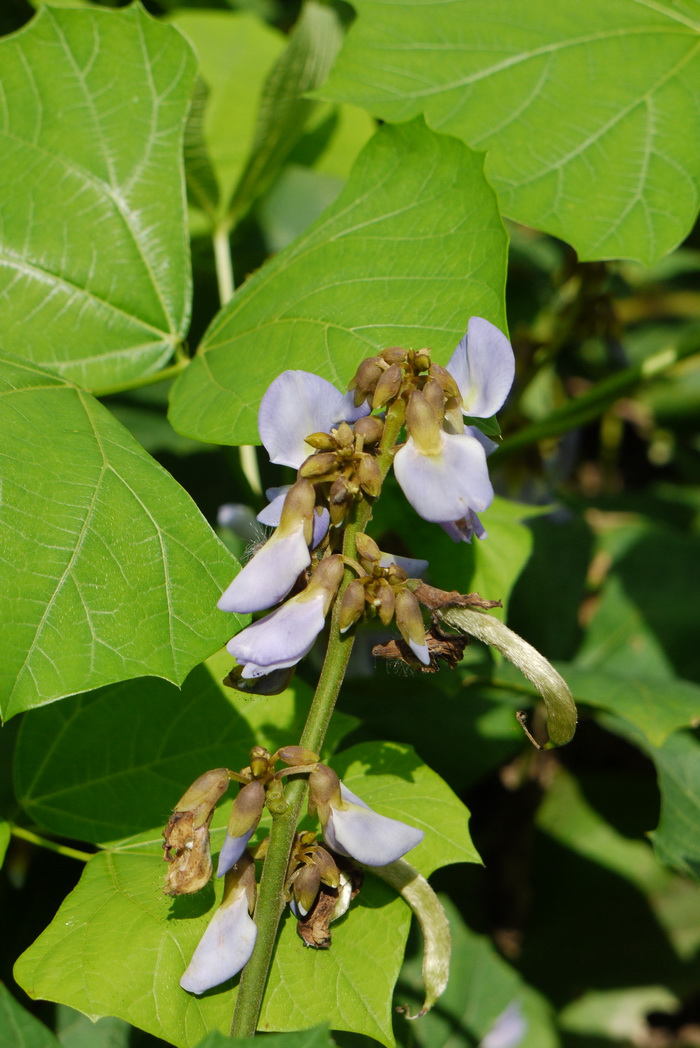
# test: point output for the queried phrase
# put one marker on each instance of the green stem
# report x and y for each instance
(144, 380)
(224, 265)
(284, 827)
(42, 842)
(596, 400)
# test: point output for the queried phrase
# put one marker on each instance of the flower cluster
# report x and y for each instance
(351, 831)
(341, 452)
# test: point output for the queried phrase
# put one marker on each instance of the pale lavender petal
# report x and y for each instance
(224, 948)
(280, 639)
(487, 444)
(508, 1030)
(297, 404)
(367, 836)
(413, 566)
(420, 651)
(322, 522)
(483, 366)
(231, 851)
(464, 530)
(269, 576)
(272, 513)
(445, 487)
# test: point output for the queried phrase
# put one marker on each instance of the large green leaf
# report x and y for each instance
(658, 706)
(677, 837)
(134, 943)
(109, 570)
(19, 1029)
(148, 741)
(588, 111)
(319, 1037)
(94, 266)
(411, 249)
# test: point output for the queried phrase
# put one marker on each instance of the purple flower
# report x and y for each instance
(465, 529)
(297, 404)
(352, 828)
(443, 475)
(230, 936)
(483, 366)
(245, 816)
(268, 577)
(282, 638)
(272, 514)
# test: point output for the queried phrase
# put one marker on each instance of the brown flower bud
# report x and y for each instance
(325, 863)
(344, 435)
(432, 391)
(365, 379)
(369, 475)
(385, 602)
(247, 809)
(320, 464)
(408, 617)
(324, 787)
(368, 548)
(423, 424)
(394, 355)
(352, 605)
(320, 441)
(388, 386)
(293, 755)
(446, 381)
(305, 884)
(370, 428)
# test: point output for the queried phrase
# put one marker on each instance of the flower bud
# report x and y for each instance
(352, 605)
(324, 788)
(243, 820)
(385, 602)
(394, 355)
(370, 428)
(435, 397)
(388, 386)
(423, 425)
(369, 476)
(319, 465)
(326, 865)
(344, 435)
(367, 548)
(446, 381)
(305, 885)
(365, 379)
(296, 755)
(410, 623)
(320, 441)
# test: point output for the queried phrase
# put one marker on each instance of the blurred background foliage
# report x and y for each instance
(586, 910)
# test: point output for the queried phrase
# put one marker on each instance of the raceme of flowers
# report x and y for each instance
(336, 444)
(352, 831)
